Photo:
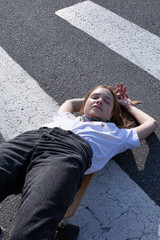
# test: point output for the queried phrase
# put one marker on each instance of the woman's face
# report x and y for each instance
(99, 104)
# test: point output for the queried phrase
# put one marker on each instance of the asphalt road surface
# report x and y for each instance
(54, 50)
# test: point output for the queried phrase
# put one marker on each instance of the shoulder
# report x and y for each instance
(127, 138)
(130, 137)
(123, 133)
(67, 115)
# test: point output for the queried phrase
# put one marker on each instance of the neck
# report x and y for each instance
(84, 117)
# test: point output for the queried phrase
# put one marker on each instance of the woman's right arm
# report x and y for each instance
(71, 105)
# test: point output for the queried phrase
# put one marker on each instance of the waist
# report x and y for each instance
(78, 143)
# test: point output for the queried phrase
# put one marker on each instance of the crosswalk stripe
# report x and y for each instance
(122, 36)
(23, 104)
(116, 208)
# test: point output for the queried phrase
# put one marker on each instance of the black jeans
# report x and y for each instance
(47, 166)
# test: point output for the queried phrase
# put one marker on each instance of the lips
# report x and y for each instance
(97, 107)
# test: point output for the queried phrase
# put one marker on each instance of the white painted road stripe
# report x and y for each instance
(116, 208)
(125, 38)
(23, 104)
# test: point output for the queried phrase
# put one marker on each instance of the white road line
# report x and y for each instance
(23, 104)
(125, 38)
(116, 208)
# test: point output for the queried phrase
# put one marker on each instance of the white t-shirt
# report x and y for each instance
(105, 139)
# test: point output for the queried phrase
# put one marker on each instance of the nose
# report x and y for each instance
(99, 101)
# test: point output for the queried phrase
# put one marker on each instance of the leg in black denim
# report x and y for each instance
(14, 159)
(53, 176)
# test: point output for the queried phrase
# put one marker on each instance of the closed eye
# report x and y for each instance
(106, 101)
(95, 96)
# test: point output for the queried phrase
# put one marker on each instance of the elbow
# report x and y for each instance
(146, 129)
(155, 124)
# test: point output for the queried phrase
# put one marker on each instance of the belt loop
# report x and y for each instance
(70, 132)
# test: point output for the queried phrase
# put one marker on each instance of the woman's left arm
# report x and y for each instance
(147, 123)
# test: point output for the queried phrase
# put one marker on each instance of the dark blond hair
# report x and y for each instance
(120, 115)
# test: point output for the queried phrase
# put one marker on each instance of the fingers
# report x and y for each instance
(126, 95)
(120, 88)
(120, 91)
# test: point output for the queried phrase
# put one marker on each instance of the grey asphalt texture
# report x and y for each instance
(67, 63)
